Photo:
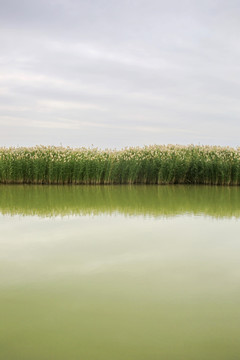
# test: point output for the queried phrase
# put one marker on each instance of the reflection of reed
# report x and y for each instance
(130, 200)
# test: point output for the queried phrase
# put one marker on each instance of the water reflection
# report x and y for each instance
(214, 201)
(119, 287)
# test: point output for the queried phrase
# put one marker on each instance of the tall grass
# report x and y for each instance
(171, 164)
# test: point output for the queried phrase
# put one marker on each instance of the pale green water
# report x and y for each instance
(119, 273)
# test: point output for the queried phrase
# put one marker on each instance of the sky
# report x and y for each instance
(112, 73)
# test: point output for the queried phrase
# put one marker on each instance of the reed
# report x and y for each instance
(156, 164)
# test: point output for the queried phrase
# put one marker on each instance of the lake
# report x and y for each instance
(119, 272)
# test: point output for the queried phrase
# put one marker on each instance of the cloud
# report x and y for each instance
(119, 73)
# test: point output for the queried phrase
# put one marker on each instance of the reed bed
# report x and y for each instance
(156, 164)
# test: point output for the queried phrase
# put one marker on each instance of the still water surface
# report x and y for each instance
(119, 273)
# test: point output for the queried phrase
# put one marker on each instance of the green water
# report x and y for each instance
(119, 273)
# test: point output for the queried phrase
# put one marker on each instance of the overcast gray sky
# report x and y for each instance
(119, 72)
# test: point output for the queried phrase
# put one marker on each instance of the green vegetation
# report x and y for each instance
(155, 164)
